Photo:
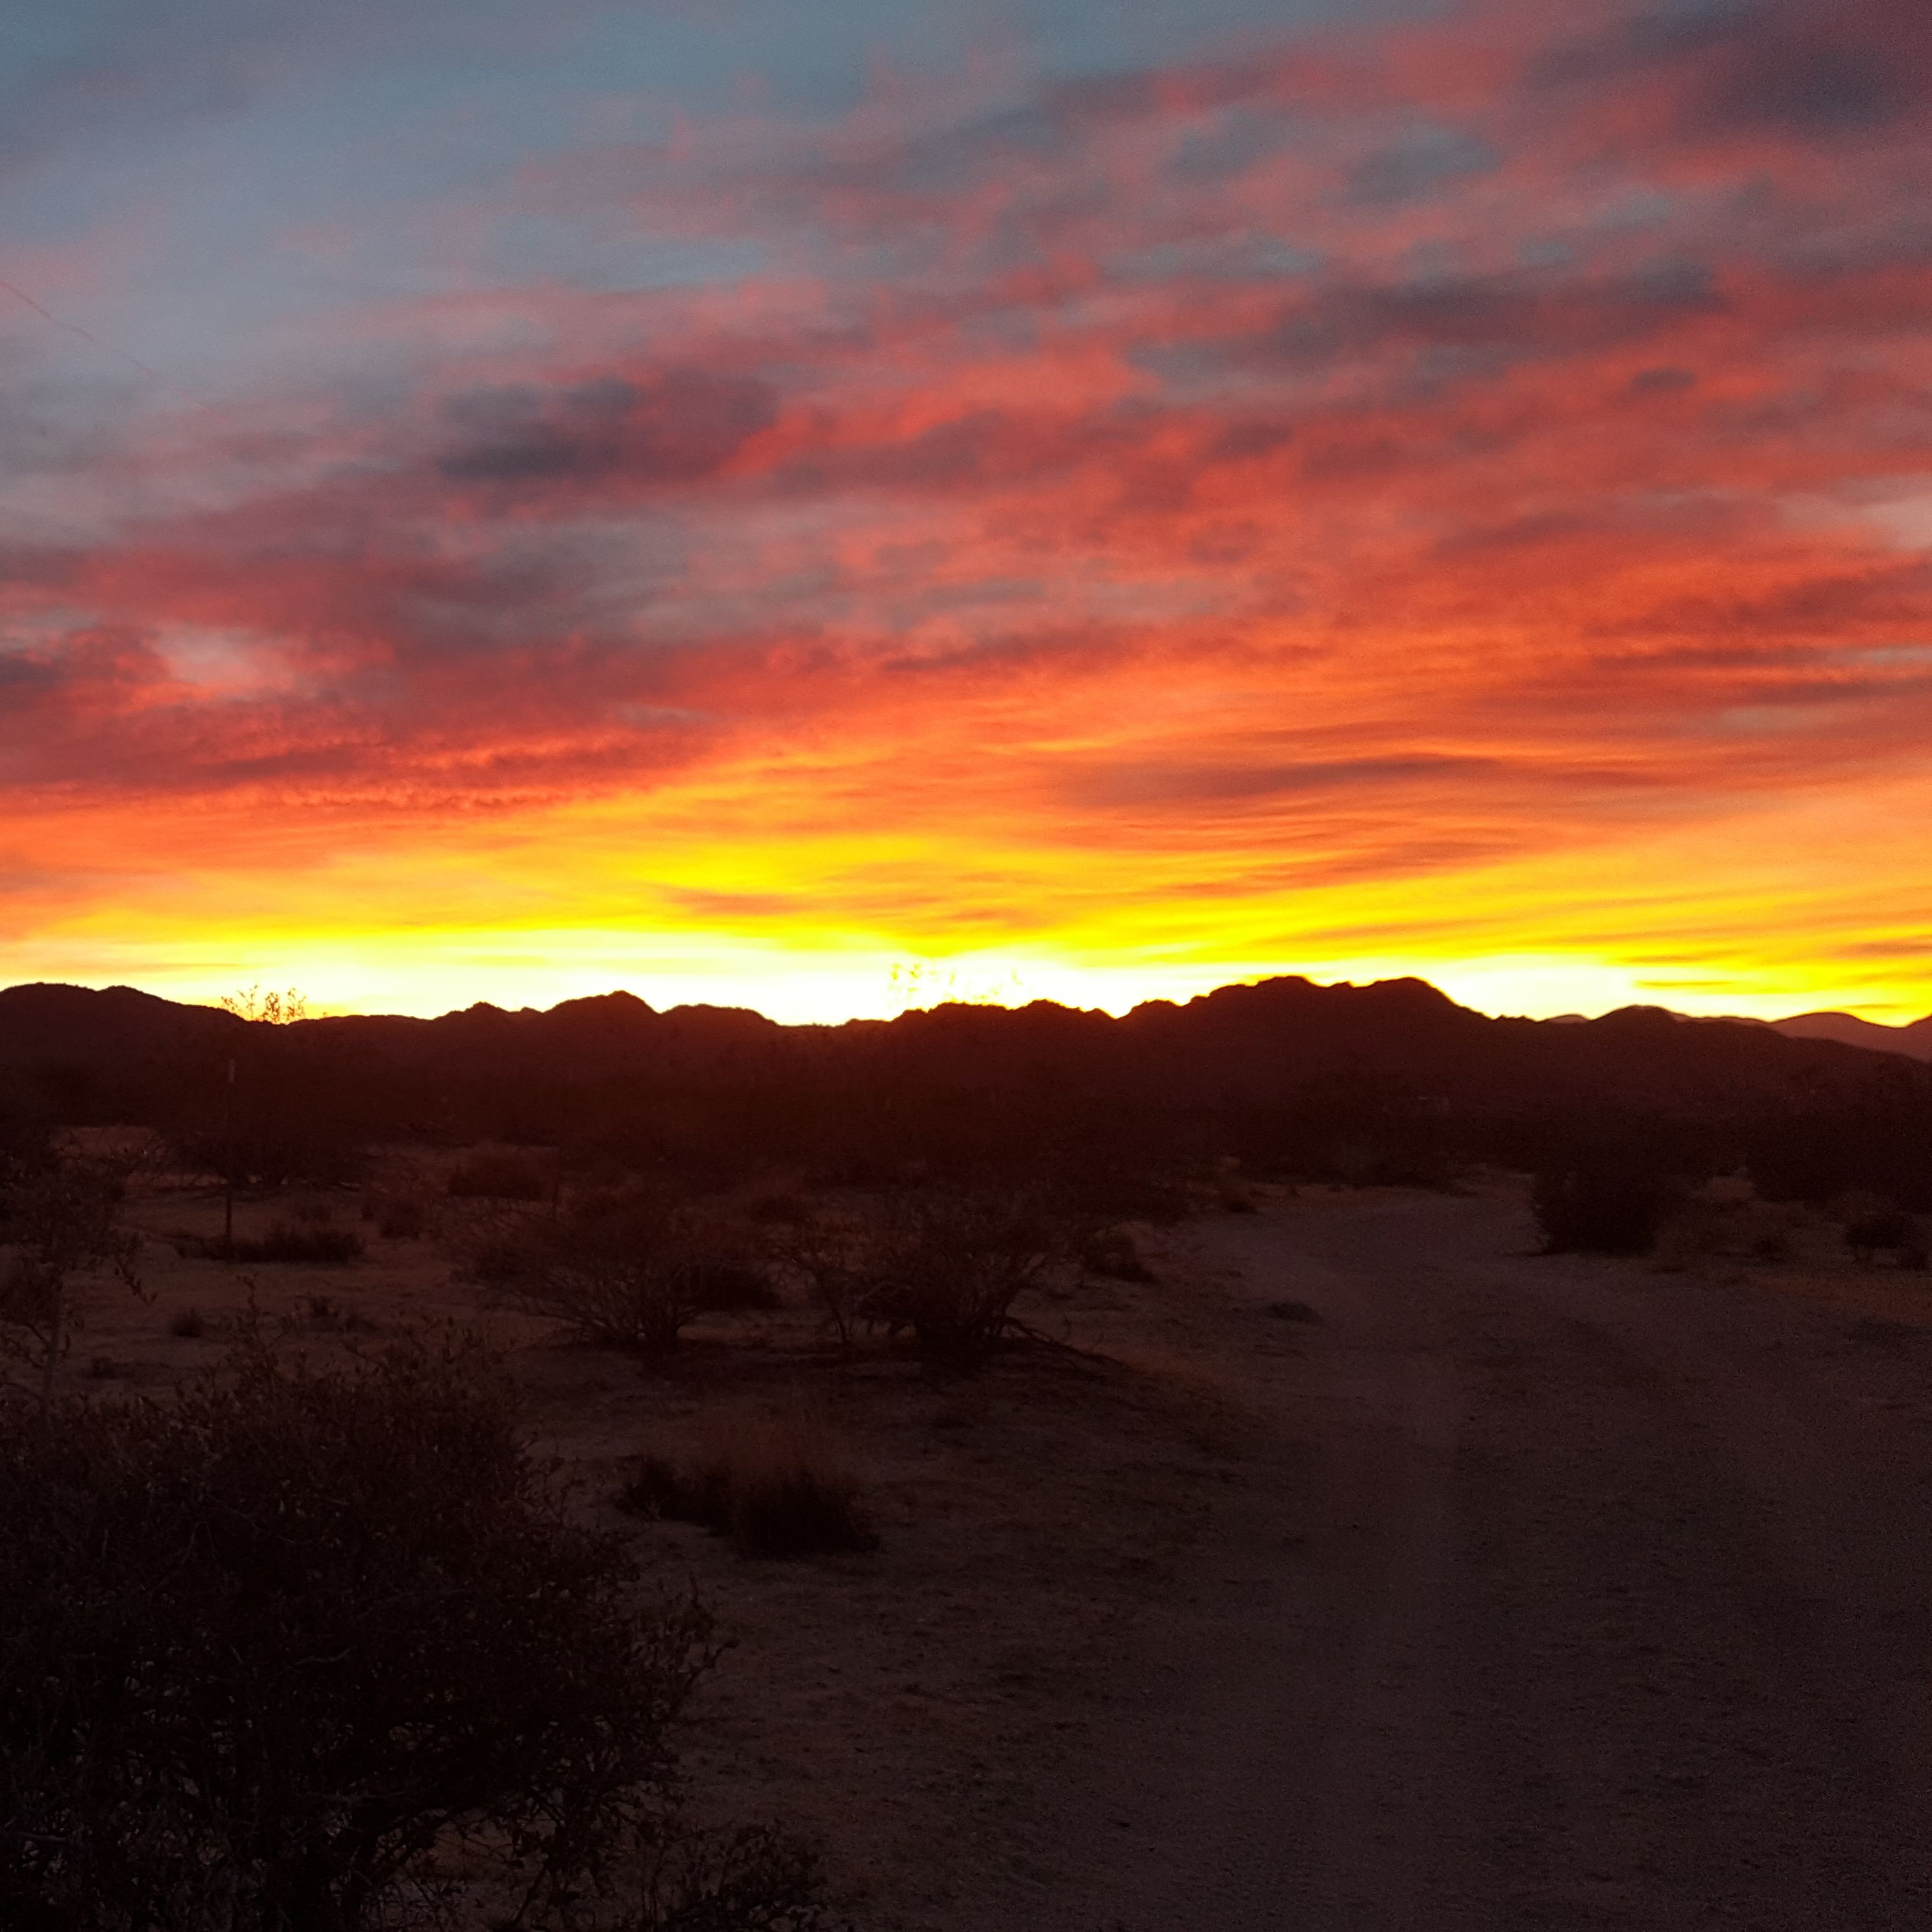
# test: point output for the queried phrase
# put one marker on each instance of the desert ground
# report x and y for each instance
(1366, 1570)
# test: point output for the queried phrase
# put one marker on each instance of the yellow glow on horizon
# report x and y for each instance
(731, 888)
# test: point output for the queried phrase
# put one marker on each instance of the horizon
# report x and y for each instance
(313, 1010)
(742, 504)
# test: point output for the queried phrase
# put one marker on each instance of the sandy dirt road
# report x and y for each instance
(1563, 1594)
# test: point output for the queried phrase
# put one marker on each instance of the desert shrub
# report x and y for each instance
(778, 1485)
(499, 1176)
(629, 1272)
(753, 1878)
(401, 1218)
(1114, 1253)
(1723, 1220)
(285, 1127)
(781, 1210)
(724, 1283)
(1885, 1229)
(948, 1265)
(834, 1258)
(187, 1324)
(269, 1644)
(1611, 1202)
(57, 1221)
(945, 1264)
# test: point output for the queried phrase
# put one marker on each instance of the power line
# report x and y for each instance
(74, 328)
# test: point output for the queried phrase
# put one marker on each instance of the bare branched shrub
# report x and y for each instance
(628, 1272)
(950, 1265)
(272, 1645)
(778, 1483)
(755, 1879)
(945, 1265)
(271, 1009)
(836, 1257)
(57, 1222)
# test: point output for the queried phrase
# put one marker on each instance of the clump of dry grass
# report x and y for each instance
(779, 1483)
(285, 1241)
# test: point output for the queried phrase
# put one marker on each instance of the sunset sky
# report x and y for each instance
(811, 506)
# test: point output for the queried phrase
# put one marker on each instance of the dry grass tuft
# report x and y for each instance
(779, 1483)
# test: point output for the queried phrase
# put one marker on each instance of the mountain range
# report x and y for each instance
(1848, 1030)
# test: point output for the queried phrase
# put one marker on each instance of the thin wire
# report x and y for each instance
(75, 328)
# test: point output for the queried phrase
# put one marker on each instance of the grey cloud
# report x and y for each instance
(679, 427)
(1414, 165)
(1813, 70)
(1156, 783)
(1509, 317)
(1662, 381)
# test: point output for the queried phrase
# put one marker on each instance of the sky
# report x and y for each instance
(824, 508)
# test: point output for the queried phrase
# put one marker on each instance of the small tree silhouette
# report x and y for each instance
(271, 1009)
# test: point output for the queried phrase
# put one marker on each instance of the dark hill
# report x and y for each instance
(1391, 1080)
(1915, 1039)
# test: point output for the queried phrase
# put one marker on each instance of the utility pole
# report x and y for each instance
(228, 1166)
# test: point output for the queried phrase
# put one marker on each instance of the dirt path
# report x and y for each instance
(1566, 1595)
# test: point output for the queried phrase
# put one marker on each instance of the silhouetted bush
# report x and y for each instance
(268, 1645)
(58, 1219)
(1883, 1230)
(1612, 1201)
(1113, 1252)
(833, 1255)
(499, 1176)
(949, 1265)
(401, 1218)
(283, 1123)
(187, 1324)
(778, 1210)
(630, 1272)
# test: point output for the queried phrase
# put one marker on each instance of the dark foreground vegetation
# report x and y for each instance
(308, 1652)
